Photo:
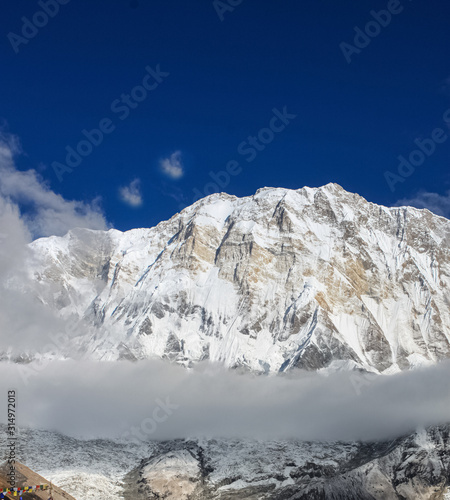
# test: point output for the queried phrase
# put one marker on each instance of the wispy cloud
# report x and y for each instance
(173, 165)
(434, 202)
(131, 194)
(43, 211)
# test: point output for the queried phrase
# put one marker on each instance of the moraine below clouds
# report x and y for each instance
(411, 467)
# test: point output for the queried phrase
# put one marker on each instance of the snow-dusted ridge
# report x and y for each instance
(413, 467)
(272, 281)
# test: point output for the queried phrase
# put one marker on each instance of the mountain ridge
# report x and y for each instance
(310, 278)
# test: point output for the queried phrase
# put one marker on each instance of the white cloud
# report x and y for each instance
(29, 209)
(173, 166)
(131, 194)
(434, 202)
(43, 212)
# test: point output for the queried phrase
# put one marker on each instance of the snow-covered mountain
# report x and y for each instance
(310, 278)
(313, 278)
(414, 467)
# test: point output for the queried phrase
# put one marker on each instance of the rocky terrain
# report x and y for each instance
(413, 467)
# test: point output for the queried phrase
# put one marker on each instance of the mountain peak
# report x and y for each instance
(311, 278)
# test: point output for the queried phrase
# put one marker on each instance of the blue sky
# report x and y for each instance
(219, 74)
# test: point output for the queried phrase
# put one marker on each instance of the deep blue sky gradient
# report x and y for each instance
(353, 120)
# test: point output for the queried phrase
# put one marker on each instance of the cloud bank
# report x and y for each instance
(88, 399)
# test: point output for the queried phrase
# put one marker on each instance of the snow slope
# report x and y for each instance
(413, 467)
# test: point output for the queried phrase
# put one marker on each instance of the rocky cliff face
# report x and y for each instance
(309, 278)
(415, 467)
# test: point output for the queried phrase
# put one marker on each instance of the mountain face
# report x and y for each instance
(311, 278)
(413, 467)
